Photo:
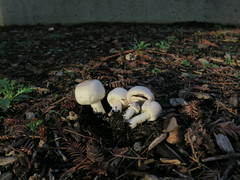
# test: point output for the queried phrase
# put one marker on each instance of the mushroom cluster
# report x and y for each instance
(136, 100)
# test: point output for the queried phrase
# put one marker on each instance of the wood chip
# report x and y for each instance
(170, 161)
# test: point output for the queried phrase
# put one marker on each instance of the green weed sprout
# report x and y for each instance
(140, 45)
(186, 63)
(163, 45)
(11, 91)
(33, 125)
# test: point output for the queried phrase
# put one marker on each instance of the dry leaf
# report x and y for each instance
(170, 161)
(172, 124)
(206, 42)
(157, 140)
(174, 136)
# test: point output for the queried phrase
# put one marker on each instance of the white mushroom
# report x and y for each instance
(135, 96)
(91, 92)
(133, 108)
(150, 111)
(117, 99)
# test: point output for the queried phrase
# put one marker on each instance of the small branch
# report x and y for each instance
(221, 157)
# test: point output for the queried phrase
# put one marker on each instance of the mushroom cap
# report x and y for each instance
(117, 94)
(139, 94)
(153, 108)
(89, 92)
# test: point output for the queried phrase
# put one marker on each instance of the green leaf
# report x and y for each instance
(5, 103)
(39, 122)
(32, 126)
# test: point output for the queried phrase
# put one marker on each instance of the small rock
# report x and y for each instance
(14, 65)
(51, 29)
(113, 51)
(224, 143)
(178, 101)
(137, 146)
(94, 46)
(60, 73)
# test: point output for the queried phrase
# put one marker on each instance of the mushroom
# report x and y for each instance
(91, 92)
(117, 99)
(135, 96)
(150, 111)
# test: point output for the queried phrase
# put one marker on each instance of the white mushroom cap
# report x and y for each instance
(91, 92)
(150, 111)
(117, 99)
(153, 108)
(139, 94)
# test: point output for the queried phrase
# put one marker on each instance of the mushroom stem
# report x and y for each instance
(138, 119)
(133, 108)
(116, 107)
(98, 108)
(129, 113)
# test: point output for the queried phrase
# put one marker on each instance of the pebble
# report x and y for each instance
(137, 146)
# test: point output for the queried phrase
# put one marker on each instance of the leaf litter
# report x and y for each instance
(192, 69)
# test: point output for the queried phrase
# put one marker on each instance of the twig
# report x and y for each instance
(221, 157)
(58, 150)
(115, 55)
(182, 175)
(87, 137)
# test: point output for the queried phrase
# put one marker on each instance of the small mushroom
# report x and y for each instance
(150, 111)
(117, 99)
(136, 96)
(91, 92)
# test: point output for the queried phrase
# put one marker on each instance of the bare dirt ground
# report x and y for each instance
(192, 69)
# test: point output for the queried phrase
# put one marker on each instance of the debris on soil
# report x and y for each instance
(193, 70)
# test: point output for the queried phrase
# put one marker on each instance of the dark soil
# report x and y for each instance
(192, 69)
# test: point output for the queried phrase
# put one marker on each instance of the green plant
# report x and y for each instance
(155, 70)
(163, 45)
(70, 73)
(229, 60)
(140, 45)
(11, 91)
(171, 38)
(186, 63)
(34, 124)
(237, 75)
(210, 65)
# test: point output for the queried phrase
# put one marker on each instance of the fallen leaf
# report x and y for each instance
(224, 143)
(170, 161)
(206, 42)
(172, 124)
(174, 136)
